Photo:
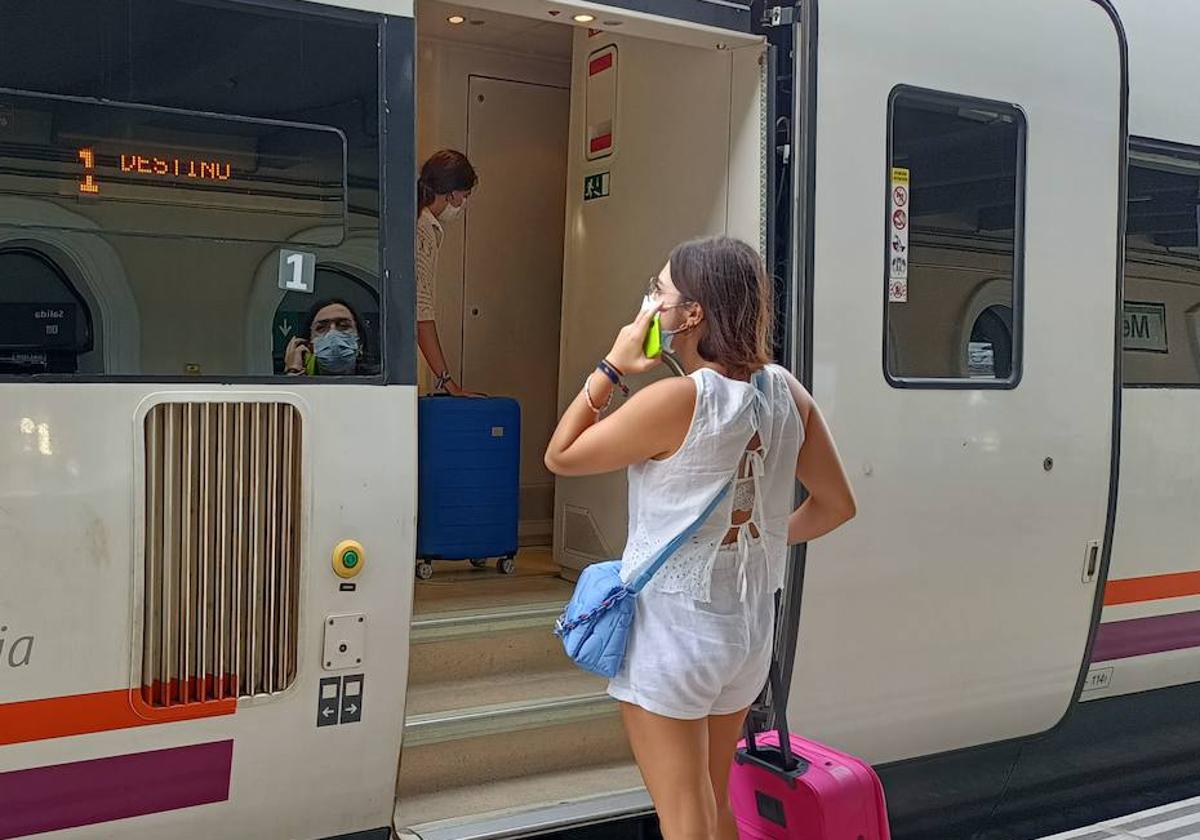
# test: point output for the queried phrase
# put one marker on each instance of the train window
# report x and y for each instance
(45, 325)
(953, 244)
(1161, 323)
(194, 178)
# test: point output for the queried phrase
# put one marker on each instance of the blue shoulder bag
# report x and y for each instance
(594, 627)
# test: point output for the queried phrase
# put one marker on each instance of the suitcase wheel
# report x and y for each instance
(506, 565)
(479, 564)
(424, 569)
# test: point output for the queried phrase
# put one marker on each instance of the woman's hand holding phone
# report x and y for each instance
(629, 350)
(295, 358)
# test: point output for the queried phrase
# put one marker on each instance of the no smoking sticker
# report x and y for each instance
(898, 236)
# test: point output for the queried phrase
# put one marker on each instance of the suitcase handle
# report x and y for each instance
(775, 680)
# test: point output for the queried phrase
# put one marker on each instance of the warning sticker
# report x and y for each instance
(898, 214)
(601, 103)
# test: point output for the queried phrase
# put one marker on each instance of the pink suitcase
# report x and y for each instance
(804, 790)
(829, 795)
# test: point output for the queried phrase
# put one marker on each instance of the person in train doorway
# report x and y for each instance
(443, 189)
(331, 342)
(701, 642)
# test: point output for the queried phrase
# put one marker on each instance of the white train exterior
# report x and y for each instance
(984, 220)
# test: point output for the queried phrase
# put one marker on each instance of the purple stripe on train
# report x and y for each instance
(1140, 636)
(116, 788)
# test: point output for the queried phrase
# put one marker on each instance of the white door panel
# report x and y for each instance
(952, 612)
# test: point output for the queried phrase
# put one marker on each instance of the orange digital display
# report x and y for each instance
(201, 170)
(154, 167)
(141, 170)
(87, 184)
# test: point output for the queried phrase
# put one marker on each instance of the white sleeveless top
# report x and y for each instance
(666, 496)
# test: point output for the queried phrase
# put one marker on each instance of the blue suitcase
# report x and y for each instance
(468, 481)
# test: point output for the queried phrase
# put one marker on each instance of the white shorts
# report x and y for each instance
(688, 659)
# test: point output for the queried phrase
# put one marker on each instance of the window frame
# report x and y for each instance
(911, 93)
(395, 38)
(1167, 148)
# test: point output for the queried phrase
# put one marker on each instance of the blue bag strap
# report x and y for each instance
(639, 583)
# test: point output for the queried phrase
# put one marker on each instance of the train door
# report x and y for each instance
(960, 270)
(512, 296)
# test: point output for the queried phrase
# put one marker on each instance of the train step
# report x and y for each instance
(570, 798)
(496, 712)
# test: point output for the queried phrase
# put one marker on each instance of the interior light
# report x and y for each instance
(584, 18)
(455, 20)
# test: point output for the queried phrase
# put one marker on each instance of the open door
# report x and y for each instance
(963, 201)
(666, 144)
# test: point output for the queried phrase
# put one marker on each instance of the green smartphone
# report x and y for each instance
(653, 346)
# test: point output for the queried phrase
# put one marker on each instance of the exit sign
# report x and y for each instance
(596, 186)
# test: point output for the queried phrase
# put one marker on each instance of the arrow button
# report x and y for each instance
(352, 698)
(329, 701)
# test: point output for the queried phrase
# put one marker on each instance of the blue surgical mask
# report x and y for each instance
(337, 352)
(668, 336)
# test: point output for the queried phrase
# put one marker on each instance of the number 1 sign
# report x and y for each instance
(296, 271)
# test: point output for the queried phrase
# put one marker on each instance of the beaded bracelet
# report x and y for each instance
(587, 395)
(614, 375)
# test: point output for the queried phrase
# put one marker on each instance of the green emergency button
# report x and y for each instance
(347, 559)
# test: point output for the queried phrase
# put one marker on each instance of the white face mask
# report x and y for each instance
(452, 212)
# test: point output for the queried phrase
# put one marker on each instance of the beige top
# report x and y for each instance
(429, 242)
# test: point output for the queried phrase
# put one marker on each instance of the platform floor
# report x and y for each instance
(1177, 821)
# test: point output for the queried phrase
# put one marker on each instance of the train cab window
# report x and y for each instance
(1161, 320)
(188, 180)
(45, 325)
(953, 241)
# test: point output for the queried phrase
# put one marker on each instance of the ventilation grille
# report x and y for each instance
(222, 551)
(581, 536)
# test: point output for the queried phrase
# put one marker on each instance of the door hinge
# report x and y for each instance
(778, 16)
(1091, 561)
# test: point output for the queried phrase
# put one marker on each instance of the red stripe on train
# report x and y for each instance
(103, 711)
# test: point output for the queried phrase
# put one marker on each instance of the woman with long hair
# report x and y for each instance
(700, 645)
